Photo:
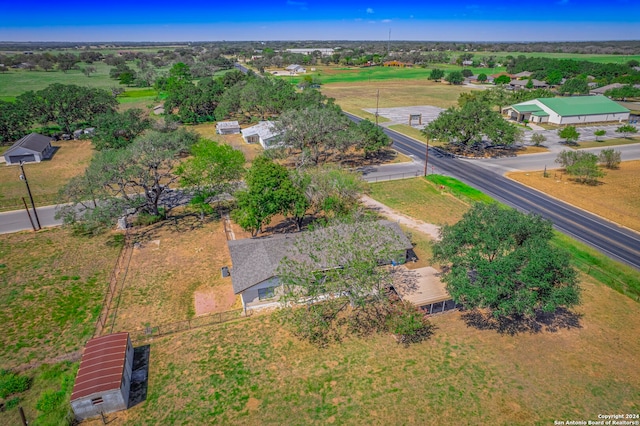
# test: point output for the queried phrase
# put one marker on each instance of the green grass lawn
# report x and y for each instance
(603, 59)
(51, 290)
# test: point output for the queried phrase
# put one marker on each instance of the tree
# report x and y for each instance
(569, 134)
(554, 77)
(372, 138)
(330, 190)
(115, 130)
(503, 79)
(626, 130)
(67, 104)
(466, 72)
(529, 84)
(15, 121)
(583, 165)
(269, 191)
(599, 133)
(66, 61)
(332, 275)
(574, 85)
(88, 70)
(538, 139)
(314, 133)
(624, 92)
(136, 177)
(465, 127)
(454, 77)
(436, 74)
(482, 78)
(502, 260)
(610, 158)
(210, 171)
(127, 78)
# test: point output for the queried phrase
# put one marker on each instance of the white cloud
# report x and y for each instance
(386, 20)
(370, 11)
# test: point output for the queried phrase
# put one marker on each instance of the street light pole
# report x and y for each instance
(26, 182)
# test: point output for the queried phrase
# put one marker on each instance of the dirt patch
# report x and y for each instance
(214, 300)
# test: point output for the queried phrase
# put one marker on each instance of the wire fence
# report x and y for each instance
(118, 271)
(142, 334)
(395, 176)
(611, 281)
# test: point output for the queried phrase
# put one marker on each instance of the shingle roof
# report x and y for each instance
(34, 142)
(257, 259)
(102, 365)
(582, 105)
(228, 125)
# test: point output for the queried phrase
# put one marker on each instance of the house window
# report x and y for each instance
(266, 293)
(97, 401)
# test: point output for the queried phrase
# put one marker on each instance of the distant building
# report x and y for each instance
(32, 148)
(295, 68)
(227, 128)
(310, 50)
(104, 378)
(263, 133)
(569, 110)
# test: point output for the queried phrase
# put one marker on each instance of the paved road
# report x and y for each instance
(610, 239)
(18, 220)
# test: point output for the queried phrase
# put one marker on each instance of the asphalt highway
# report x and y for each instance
(616, 242)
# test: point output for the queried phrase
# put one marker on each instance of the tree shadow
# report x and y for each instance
(551, 322)
(177, 223)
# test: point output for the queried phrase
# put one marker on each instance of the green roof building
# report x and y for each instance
(569, 110)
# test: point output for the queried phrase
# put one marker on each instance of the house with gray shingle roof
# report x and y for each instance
(31, 148)
(255, 261)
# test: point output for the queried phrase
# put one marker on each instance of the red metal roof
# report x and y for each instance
(102, 365)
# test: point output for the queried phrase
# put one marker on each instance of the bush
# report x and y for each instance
(50, 401)
(11, 383)
(12, 403)
(409, 324)
(610, 158)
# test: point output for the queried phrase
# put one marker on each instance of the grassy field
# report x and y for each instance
(603, 59)
(353, 97)
(51, 289)
(159, 289)
(45, 178)
(208, 131)
(603, 143)
(615, 198)
(420, 199)
(51, 386)
(255, 372)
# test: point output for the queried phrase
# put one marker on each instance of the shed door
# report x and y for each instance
(15, 159)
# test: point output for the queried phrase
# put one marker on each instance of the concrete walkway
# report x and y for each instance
(426, 228)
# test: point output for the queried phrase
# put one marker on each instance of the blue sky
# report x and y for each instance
(198, 20)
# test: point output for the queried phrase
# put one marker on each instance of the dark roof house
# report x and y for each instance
(104, 378)
(256, 260)
(31, 148)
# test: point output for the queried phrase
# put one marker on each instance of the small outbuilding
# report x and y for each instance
(104, 378)
(32, 148)
(227, 128)
(425, 290)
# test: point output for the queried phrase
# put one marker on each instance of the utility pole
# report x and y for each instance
(23, 177)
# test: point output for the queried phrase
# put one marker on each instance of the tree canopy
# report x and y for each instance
(465, 127)
(114, 130)
(502, 260)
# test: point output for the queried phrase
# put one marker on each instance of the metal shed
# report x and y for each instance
(103, 380)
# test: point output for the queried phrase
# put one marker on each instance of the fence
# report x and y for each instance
(613, 282)
(142, 334)
(122, 264)
(395, 176)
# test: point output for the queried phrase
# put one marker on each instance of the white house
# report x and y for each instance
(263, 133)
(569, 110)
(31, 148)
(296, 69)
(227, 128)
(255, 261)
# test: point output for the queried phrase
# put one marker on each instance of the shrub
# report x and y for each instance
(409, 324)
(11, 383)
(50, 401)
(610, 158)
